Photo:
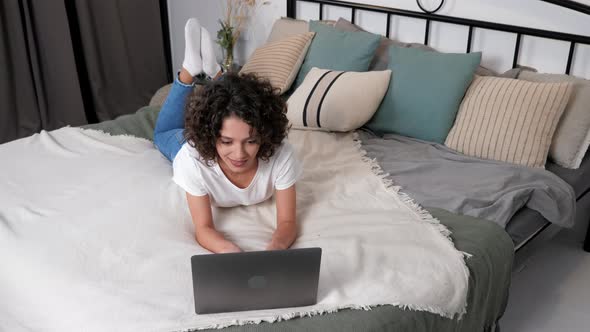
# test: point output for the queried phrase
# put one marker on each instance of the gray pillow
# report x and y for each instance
(381, 59)
(514, 72)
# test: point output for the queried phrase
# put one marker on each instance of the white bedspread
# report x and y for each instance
(95, 236)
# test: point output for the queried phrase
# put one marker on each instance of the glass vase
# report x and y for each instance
(228, 61)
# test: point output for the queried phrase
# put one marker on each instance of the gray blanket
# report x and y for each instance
(437, 176)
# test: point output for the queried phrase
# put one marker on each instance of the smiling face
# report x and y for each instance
(237, 145)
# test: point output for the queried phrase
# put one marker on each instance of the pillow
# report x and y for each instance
(381, 58)
(332, 100)
(337, 50)
(425, 96)
(160, 96)
(509, 120)
(572, 135)
(514, 72)
(279, 62)
(286, 27)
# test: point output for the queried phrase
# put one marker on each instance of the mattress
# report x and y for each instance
(579, 178)
(526, 222)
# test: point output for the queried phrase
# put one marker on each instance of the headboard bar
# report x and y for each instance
(469, 39)
(426, 29)
(574, 5)
(573, 39)
(292, 7)
(569, 58)
(516, 50)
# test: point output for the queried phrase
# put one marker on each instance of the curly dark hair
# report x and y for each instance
(245, 96)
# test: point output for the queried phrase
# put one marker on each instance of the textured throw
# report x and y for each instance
(95, 236)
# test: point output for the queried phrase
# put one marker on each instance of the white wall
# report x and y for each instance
(546, 55)
(208, 12)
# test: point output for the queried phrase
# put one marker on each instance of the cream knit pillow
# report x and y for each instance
(337, 100)
(509, 120)
(279, 61)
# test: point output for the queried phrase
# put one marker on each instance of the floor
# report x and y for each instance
(550, 288)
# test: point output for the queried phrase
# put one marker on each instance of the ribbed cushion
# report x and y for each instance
(572, 136)
(509, 120)
(279, 61)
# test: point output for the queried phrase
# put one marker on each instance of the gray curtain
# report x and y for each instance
(124, 53)
(39, 87)
(74, 62)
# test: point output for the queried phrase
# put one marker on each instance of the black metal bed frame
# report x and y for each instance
(573, 39)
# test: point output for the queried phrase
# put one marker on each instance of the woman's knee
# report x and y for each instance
(158, 140)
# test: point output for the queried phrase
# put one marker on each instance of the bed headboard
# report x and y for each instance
(572, 39)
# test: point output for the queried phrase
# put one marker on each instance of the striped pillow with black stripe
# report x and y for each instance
(509, 120)
(333, 100)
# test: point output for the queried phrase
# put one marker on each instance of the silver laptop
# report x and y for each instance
(255, 280)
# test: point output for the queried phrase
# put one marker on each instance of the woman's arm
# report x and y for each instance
(205, 233)
(286, 231)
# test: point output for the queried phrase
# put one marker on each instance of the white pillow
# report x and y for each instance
(335, 100)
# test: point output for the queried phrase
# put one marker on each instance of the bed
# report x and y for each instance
(491, 248)
(490, 269)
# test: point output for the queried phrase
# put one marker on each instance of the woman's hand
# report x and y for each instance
(230, 248)
(273, 245)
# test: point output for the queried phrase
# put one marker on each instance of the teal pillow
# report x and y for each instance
(338, 50)
(424, 94)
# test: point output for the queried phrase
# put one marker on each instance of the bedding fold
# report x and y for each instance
(437, 176)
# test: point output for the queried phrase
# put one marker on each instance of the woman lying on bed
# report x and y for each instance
(226, 144)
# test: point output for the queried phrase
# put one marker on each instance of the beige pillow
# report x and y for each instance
(333, 100)
(508, 120)
(572, 135)
(286, 27)
(279, 61)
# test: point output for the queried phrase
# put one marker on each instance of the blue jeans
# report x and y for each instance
(169, 131)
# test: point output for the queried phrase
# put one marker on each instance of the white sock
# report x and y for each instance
(192, 47)
(210, 65)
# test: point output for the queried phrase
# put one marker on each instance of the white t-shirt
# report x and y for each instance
(193, 175)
